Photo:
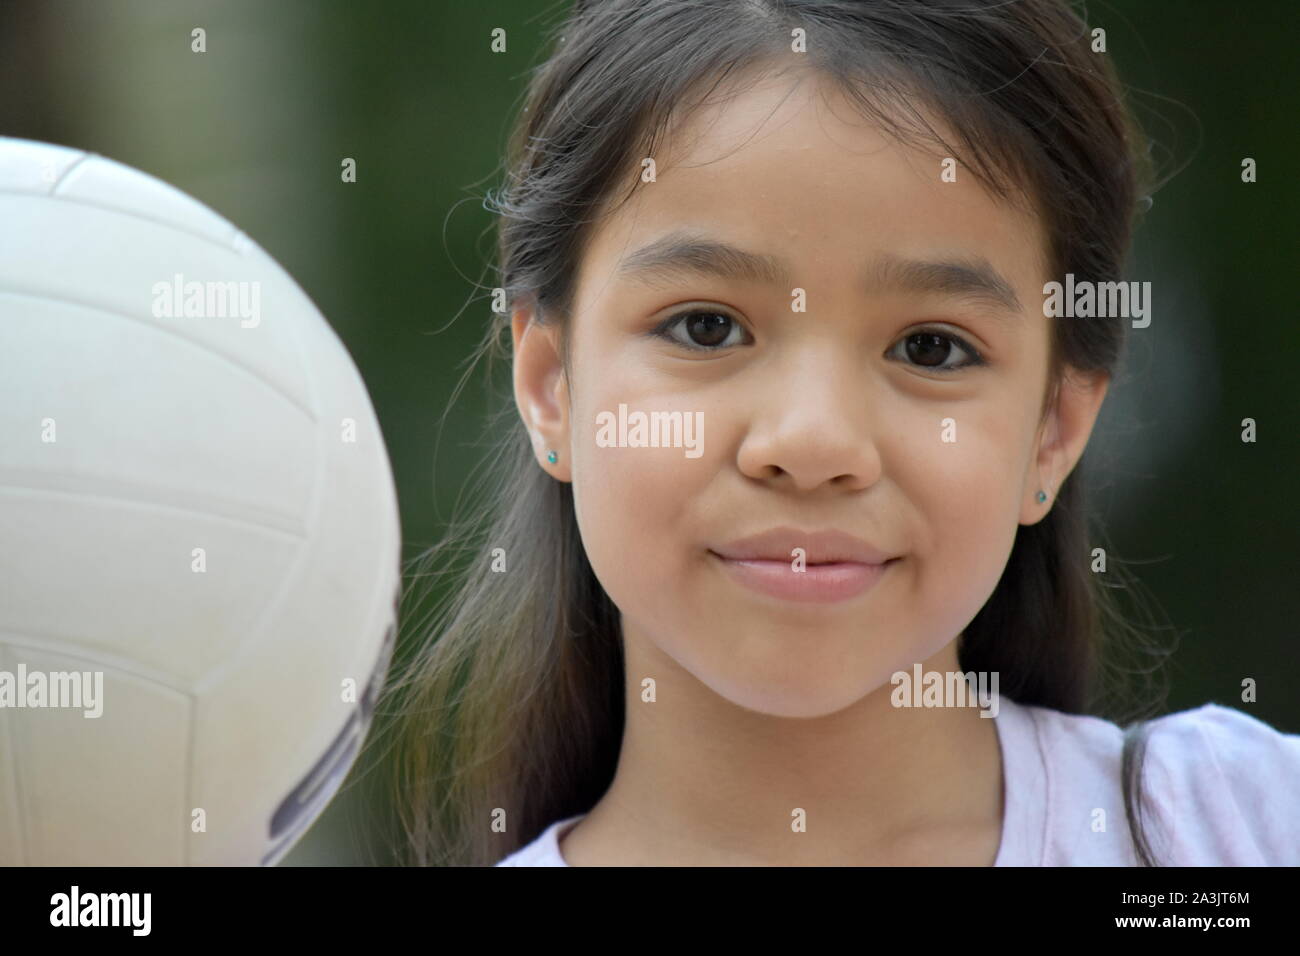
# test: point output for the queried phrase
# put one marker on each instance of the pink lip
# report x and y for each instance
(837, 566)
(817, 582)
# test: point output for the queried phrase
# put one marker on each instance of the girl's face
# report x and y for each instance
(871, 360)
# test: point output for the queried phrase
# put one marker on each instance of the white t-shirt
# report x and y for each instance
(1222, 789)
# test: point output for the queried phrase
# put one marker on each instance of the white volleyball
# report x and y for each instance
(196, 512)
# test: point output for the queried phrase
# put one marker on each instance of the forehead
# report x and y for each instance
(787, 164)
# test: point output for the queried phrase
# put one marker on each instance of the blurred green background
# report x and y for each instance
(399, 262)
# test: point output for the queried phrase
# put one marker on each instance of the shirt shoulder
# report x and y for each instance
(1226, 788)
(1065, 804)
(1218, 788)
(545, 850)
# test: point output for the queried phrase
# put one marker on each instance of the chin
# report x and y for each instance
(809, 698)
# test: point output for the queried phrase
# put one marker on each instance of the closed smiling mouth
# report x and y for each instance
(790, 564)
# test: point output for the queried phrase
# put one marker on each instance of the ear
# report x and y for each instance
(542, 389)
(1061, 439)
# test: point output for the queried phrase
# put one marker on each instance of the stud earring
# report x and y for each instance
(552, 457)
(1041, 496)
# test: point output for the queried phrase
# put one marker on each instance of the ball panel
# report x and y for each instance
(12, 852)
(293, 678)
(29, 167)
(263, 440)
(114, 579)
(103, 182)
(138, 408)
(124, 266)
(81, 778)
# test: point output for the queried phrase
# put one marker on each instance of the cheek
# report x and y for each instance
(965, 501)
(633, 504)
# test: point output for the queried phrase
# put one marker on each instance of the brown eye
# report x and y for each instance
(931, 349)
(927, 348)
(702, 329)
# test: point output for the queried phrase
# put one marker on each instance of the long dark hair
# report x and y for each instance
(512, 700)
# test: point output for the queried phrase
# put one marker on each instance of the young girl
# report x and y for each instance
(793, 444)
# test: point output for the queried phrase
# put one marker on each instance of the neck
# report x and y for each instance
(701, 781)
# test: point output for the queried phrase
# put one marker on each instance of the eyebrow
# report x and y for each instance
(970, 278)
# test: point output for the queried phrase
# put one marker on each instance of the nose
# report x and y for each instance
(813, 426)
